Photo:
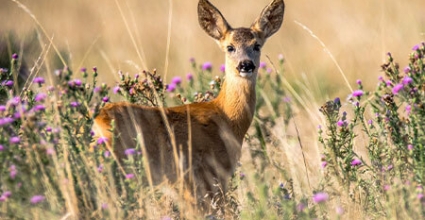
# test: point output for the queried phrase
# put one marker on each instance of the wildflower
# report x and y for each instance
(8, 83)
(416, 47)
(263, 65)
(242, 175)
(94, 69)
(341, 123)
(397, 88)
(324, 164)
(102, 140)
(15, 56)
(407, 69)
(1, 147)
(105, 99)
(390, 167)
(171, 87)
(39, 80)
(339, 210)
(137, 76)
(356, 162)
(116, 89)
(166, 218)
(107, 154)
(96, 89)
(388, 83)
(286, 99)
(192, 60)
(408, 109)
(40, 97)
(410, 147)
(74, 104)
(100, 168)
(37, 199)
(420, 196)
(17, 115)
(207, 66)
(6, 194)
(357, 93)
(83, 69)
(13, 171)
(39, 108)
(129, 176)
(15, 140)
(222, 68)
(320, 197)
(407, 80)
(130, 151)
(6, 121)
(370, 121)
(2, 108)
(380, 78)
(176, 80)
(50, 151)
(300, 207)
(387, 187)
(189, 76)
(359, 82)
(269, 70)
(280, 57)
(104, 205)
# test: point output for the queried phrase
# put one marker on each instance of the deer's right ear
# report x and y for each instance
(211, 20)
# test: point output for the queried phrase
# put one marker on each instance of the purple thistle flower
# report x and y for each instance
(97, 89)
(48, 129)
(300, 207)
(2, 198)
(380, 78)
(192, 60)
(83, 69)
(104, 205)
(171, 87)
(176, 80)
(78, 82)
(280, 57)
(94, 69)
(263, 65)
(50, 151)
(116, 89)
(339, 210)
(13, 172)
(39, 80)
(102, 140)
(17, 115)
(74, 104)
(129, 176)
(15, 140)
(222, 68)
(2, 108)
(397, 88)
(100, 168)
(130, 151)
(407, 80)
(357, 93)
(105, 99)
(359, 82)
(1, 147)
(40, 97)
(7, 194)
(37, 199)
(189, 76)
(341, 123)
(416, 47)
(269, 70)
(410, 147)
(320, 197)
(408, 109)
(207, 66)
(39, 108)
(107, 154)
(370, 121)
(286, 99)
(8, 83)
(407, 69)
(324, 164)
(15, 56)
(6, 121)
(356, 162)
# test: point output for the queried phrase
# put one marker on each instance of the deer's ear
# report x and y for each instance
(211, 20)
(270, 19)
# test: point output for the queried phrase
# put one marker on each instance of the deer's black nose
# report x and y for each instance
(246, 66)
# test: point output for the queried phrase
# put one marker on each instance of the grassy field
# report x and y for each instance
(360, 157)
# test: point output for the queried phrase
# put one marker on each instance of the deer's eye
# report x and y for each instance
(257, 47)
(230, 48)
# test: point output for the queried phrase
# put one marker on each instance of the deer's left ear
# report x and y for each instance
(270, 19)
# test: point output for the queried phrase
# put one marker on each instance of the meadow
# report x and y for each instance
(338, 131)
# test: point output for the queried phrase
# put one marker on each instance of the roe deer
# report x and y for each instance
(201, 140)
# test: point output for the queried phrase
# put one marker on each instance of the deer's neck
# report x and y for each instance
(237, 101)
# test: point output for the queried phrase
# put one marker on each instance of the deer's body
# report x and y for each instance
(207, 136)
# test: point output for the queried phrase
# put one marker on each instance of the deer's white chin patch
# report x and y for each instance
(245, 74)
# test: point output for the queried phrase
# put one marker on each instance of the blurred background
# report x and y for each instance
(133, 34)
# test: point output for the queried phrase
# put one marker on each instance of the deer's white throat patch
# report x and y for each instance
(245, 74)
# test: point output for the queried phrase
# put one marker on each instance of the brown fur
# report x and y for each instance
(207, 136)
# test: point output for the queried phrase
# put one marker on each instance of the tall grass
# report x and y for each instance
(51, 167)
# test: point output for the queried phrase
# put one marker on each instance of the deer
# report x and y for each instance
(199, 143)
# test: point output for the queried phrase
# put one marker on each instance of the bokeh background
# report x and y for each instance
(108, 34)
